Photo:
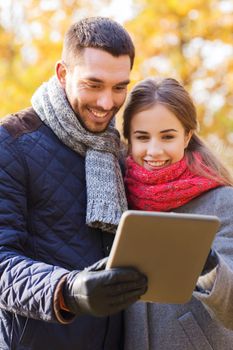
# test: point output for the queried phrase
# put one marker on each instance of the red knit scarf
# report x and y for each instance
(163, 189)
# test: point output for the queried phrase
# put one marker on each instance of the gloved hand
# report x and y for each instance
(101, 292)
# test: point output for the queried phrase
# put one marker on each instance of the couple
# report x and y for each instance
(62, 195)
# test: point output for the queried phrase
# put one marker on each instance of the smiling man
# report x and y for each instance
(62, 196)
(96, 86)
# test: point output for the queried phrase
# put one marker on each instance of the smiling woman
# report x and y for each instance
(157, 138)
(169, 168)
(154, 107)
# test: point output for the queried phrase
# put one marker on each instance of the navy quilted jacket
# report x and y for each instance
(43, 236)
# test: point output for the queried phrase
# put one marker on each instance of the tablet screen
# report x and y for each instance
(169, 248)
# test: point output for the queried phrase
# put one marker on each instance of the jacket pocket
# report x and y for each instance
(193, 331)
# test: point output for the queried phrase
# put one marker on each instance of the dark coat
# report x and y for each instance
(43, 236)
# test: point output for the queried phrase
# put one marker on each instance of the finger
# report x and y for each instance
(98, 266)
(122, 288)
(117, 275)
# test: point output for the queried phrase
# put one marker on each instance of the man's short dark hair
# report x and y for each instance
(100, 33)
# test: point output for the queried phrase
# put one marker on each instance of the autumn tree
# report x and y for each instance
(191, 41)
(31, 34)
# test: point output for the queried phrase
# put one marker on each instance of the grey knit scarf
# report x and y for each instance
(106, 200)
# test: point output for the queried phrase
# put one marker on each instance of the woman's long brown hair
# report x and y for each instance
(170, 93)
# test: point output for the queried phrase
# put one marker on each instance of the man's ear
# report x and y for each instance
(188, 138)
(61, 72)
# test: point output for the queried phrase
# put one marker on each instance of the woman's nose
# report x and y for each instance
(154, 149)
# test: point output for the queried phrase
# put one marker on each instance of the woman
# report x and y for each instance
(169, 168)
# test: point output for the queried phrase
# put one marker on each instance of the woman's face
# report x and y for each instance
(157, 138)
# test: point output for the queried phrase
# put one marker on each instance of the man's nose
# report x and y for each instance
(105, 100)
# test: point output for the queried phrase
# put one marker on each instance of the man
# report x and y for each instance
(62, 196)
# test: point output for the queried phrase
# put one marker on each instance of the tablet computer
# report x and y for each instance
(169, 248)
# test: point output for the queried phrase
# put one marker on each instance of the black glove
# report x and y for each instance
(102, 292)
(211, 262)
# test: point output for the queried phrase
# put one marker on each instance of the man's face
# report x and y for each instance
(96, 86)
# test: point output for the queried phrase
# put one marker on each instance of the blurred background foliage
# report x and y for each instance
(189, 40)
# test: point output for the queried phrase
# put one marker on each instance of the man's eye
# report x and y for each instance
(94, 86)
(120, 88)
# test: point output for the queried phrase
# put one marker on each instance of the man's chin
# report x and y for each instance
(97, 128)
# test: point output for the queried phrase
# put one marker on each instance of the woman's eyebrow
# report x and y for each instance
(167, 130)
(161, 132)
(140, 132)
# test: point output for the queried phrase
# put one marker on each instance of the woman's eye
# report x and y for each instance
(142, 137)
(168, 137)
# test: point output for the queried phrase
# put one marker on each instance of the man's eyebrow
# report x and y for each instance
(96, 80)
(125, 82)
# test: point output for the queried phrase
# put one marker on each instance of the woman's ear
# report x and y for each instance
(61, 72)
(187, 138)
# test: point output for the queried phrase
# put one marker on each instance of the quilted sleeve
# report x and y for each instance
(26, 286)
(219, 299)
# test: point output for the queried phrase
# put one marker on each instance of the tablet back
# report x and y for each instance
(169, 248)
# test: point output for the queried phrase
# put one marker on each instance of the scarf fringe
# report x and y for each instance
(105, 217)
